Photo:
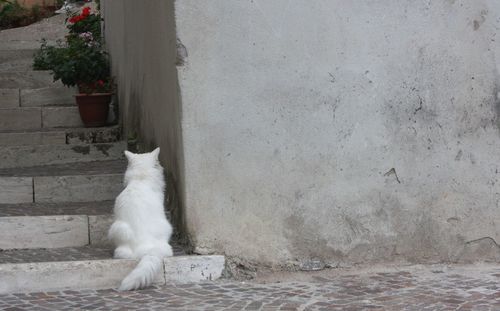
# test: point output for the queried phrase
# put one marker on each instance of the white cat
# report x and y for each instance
(140, 229)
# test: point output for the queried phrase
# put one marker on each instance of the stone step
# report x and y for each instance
(46, 96)
(23, 118)
(27, 80)
(51, 225)
(38, 155)
(92, 268)
(16, 60)
(72, 182)
(60, 136)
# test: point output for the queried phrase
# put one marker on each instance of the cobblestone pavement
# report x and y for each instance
(410, 288)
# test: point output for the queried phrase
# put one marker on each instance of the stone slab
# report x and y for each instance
(93, 135)
(61, 117)
(99, 208)
(49, 276)
(93, 274)
(98, 229)
(16, 60)
(47, 96)
(26, 79)
(9, 98)
(32, 138)
(188, 269)
(43, 231)
(16, 190)
(37, 155)
(81, 188)
(20, 119)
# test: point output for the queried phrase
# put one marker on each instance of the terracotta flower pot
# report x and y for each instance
(93, 108)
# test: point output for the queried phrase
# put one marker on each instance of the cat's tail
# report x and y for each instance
(144, 273)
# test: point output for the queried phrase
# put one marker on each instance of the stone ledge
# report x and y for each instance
(100, 274)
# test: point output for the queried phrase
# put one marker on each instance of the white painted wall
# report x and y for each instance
(345, 131)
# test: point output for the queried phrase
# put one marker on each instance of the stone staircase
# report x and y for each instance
(58, 181)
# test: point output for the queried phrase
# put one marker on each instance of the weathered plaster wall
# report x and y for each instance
(140, 36)
(347, 131)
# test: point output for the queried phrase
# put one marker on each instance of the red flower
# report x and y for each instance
(86, 11)
(100, 82)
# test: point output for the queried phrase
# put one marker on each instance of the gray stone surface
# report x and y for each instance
(20, 119)
(16, 60)
(80, 188)
(29, 37)
(93, 135)
(89, 252)
(95, 274)
(50, 276)
(403, 288)
(16, 190)
(73, 168)
(98, 229)
(32, 255)
(25, 156)
(61, 117)
(52, 96)
(26, 79)
(43, 231)
(9, 98)
(32, 138)
(189, 269)
(101, 208)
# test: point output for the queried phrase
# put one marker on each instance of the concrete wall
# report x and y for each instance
(344, 131)
(140, 36)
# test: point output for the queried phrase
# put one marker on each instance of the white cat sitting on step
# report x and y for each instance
(140, 229)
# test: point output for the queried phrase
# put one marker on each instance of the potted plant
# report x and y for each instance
(82, 62)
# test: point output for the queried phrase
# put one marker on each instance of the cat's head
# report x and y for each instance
(143, 165)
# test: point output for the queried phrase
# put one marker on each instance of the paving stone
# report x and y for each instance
(37, 155)
(32, 138)
(43, 231)
(9, 98)
(61, 117)
(52, 96)
(16, 189)
(424, 291)
(20, 118)
(80, 188)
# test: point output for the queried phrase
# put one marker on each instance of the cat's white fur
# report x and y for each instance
(140, 229)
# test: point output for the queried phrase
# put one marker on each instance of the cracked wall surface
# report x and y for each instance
(329, 132)
(344, 131)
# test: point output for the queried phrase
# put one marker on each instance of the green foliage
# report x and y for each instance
(75, 63)
(80, 60)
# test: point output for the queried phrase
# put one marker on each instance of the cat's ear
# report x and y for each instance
(129, 155)
(155, 153)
